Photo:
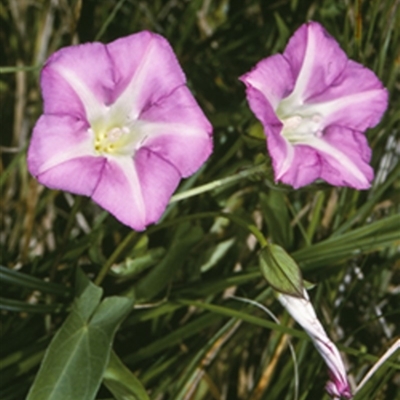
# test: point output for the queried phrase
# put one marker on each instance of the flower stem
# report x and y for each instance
(23, 68)
(114, 256)
(217, 183)
(252, 228)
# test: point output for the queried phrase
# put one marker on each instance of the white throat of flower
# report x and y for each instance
(299, 126)
(113, 136)
(110, 141)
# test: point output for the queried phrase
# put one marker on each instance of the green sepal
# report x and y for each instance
(281, 271)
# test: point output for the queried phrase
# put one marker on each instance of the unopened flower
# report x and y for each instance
(303, 312)
(119, 125)
(315, 105)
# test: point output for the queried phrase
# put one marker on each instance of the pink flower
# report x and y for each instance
(303, 312)
(315, 104)
(119, 125)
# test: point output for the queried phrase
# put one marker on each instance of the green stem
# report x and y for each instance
(114, 256)
(217, 183)
(25, 68)
(71, 218)
(109, 19)
(252, 228)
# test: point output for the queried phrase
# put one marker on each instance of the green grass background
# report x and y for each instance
(185, 336)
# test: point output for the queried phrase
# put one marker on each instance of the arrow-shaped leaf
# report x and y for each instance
(78, 355)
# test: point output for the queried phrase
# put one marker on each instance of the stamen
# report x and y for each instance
(112, 141)
(116, 136)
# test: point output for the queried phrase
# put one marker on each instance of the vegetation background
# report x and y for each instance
(185, 336)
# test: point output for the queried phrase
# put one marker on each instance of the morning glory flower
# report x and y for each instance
(119, 125)
(315, 105)
(303, 312)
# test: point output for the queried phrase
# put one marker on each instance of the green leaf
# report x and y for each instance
(131, 267)
(371, 237)
(121, 382)
(196, 369)
(26, 68)
(12, 277)
(6, 173)
(174, 338)
(23, 306)
(284, 31)
(216, 253)
(75, 361)
(244, 315)
(281, 271)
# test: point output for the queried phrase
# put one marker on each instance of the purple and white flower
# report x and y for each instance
(119, 125)
(303, 313)
(315, 105)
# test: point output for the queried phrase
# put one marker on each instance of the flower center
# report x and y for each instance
(297, 128)
(115, 140)
(300, 122)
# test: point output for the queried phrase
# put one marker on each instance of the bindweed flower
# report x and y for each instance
(314, 104)
(119, 125)
(303, 312)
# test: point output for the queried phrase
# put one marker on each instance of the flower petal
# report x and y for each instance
(261, 107)
(316, 61)
(177, 130)
(136, 191)
(154, 75)
(340, 157)
(182, 146)
(295, 166)
(78, 175)
(78, 81)
(356, 99)
(126, 55)
(57, 141)
(272, 77)
(158, 179)
(348, 164)
(119, 192)
(336, 161)
(178, 107)
(266, 84)
(300, 168)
